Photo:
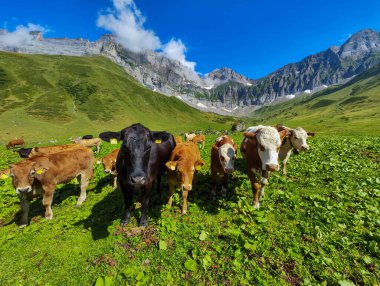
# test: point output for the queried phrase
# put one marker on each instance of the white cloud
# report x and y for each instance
(21, 35)
(126, 22)
(176, 50)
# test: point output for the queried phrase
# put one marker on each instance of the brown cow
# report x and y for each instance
(260, 149)
(89, 143)
(199, 139)
(46, 150)
(184, 162)
(43, 173)
(14, 143)
(109, 165)
(189, 136)
(223, 155)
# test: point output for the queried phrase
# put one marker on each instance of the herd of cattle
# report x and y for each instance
(142, 159)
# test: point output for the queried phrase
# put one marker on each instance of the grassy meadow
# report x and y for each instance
(319, 225)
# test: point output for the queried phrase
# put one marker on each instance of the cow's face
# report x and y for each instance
(137, 144)
(109, 165)
(268, 143)
(298, 138)
(227, 156)
(23, 175)
(185, 171)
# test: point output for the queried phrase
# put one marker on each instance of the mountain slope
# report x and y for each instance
(350, 108)
(46, 97)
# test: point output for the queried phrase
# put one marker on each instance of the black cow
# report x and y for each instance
(140, 162)
(87, 137)
(24, 152)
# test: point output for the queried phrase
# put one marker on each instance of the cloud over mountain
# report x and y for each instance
(21, 35)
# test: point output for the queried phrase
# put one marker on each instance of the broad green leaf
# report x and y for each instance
(346, 283)
(162, 245)
(191, 265)
(203, 235)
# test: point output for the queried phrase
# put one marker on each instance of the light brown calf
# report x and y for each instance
(223, 155)
(89, 143)
(184, 162)
(38, 151)
(14, 143)
(178, 139)
(43, 173)
(109, 165)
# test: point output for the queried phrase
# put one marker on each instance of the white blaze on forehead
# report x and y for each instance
(268, 138)
(299, 138)
(227, 151)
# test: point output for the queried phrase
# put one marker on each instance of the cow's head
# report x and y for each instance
(109, 165)
(226, 156)
(185, 170)
(298, 138)
(267, 141)
(23, 175)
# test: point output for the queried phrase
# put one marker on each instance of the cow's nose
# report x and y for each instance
(272, 167)
(107, 171)
(229, 170)
(305, 147)
(186, 187)
(138, 180)
(24, 190)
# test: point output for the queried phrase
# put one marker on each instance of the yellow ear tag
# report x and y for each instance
(113, 141)
(39, 171)
(3, 176)
(158, 141)
(198, 167)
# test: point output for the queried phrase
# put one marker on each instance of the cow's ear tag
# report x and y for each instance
(3, 176)
(198, 167)
(113, 141)
(39, 171)
(158, 141)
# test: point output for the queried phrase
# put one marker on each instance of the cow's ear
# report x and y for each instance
(4, 174)
(107, 136)
(283, 133)
(251, 136)
(236, 149)
(39, 169)
(311, 134)
(215, 148)
(199, 164)
(171, 165)
(159, 137)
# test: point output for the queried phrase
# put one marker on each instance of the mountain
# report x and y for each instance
(222, 90)
(349, 108)
(45, 97)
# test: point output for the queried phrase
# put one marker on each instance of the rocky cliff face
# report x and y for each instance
(222, 90)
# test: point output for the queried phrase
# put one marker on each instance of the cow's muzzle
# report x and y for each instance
(138, 180)
(272, 167)
(229, 170)
(186, 187)
(304, 148)
(23, 190)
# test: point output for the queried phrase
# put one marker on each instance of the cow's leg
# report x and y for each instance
(47, 200)
(128, 197)
(255, 189)
(84, 180)
(184, 203)
(97, 148)
(224, 185)
(214, 181)
(284, 167)
(114, 182)
(25, 205)
(144, 209)
(158, 183)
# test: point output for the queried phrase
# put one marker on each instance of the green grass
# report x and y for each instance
(350, 108)
(56, 97)
(319, 225)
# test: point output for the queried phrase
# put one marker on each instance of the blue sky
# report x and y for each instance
(253, 37)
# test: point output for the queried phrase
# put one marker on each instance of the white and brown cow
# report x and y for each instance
(190, 136)
(260, 150)
(223, 155)
(295, 139)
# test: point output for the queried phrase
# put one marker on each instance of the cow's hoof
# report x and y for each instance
(256, 206)
(49, 217)
(22, 225)
(143, 222)
(184, 212)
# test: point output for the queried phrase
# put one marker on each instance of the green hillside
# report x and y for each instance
(353, 107)
(45, 97)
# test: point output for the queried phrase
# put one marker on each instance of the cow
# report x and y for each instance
(38, 151)
(294, 140)
(223, 155)
(140, 162)
(260, 150)
(109, 165)
(185, 161)
(15, 142)
(89, 143)
(41, 174)
(178, 139)
(189, 136)
(24, 152)
(199, 139)
(87, 137)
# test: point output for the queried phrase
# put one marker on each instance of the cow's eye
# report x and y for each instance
(222, 159)
(262, 148)
(295, 137)
(12, 176)
(32, 172)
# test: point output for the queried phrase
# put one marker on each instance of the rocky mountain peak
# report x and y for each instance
(360, 44)
(227, 74)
